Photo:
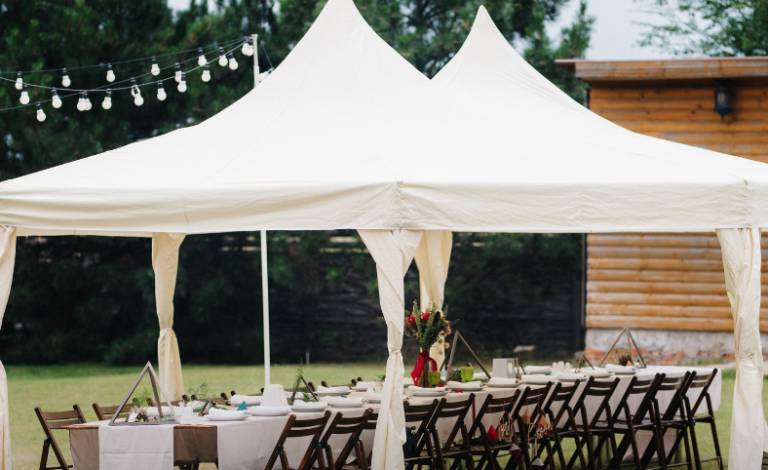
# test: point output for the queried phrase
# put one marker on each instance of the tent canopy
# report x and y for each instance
(347, 134)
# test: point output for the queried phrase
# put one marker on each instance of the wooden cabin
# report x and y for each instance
(672, 282)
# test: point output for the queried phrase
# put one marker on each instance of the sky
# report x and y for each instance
(615, 33)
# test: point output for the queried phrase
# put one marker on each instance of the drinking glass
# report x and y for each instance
(434, 378)
(467, 373)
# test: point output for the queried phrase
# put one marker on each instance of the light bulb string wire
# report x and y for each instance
(104, 64)
(108, 88)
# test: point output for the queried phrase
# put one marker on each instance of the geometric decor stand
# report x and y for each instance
(456, 337)
(630, 343)
(155, 385)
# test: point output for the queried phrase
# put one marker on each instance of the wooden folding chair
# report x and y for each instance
(373, 418)
(627, 424)
(56, 420)
(300, 428)
(425, 415)
(674, 417)
(535, 399)
(104, 413)
(595, 426)
(563, 422)
(481, 446)
(703, 382)
(349, 426)
(452, 449)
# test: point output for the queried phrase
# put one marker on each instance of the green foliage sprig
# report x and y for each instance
(425, 327)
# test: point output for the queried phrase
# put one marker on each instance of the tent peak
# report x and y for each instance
(483, 19)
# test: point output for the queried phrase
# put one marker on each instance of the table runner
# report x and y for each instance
(130, 447)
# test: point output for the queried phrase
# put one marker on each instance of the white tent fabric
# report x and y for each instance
(7, 260)
(165, 262)
(487, 71)
(432, 258)
(347, 134)
(393, 253)
(741, 257)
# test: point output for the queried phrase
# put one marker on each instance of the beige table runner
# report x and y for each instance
(130, 447)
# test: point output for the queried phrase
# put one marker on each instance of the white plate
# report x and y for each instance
(269, 410)
(311, 408)
(515, 385)
(539, 379)
(424, 393)
(360, 389)
(227, 417)
(332, 394)
(624, 372)
(472, 389)
(346, 405)
(373, 400)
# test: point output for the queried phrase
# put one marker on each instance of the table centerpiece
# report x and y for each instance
(425, 328)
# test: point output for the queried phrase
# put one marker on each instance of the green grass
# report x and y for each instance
(57, 388)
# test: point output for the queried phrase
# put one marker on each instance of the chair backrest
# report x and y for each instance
(373, 418)
(603, 389)
(342, 425)
(535, 397)
(492, 405)
(455, 409)
(562, 396)
(51, 421)
(425, 415)
(678, 385)
(104, 413)
(703, 382)
(299, 428)
(647, 388)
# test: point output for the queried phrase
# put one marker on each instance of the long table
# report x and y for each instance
(248, 444)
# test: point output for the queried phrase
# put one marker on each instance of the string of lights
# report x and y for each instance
(225, 58)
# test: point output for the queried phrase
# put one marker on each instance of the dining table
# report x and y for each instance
(248, 444)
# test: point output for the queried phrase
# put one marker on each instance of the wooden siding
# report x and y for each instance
(673, 281)
(695, 68)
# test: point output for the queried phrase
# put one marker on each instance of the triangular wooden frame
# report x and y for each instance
(155, 385)
(630, 342)
(456, 337)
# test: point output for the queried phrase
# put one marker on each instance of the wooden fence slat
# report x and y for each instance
(648, 252)
(701, 288)
(658, 264)
(711, 277)
(653, 311)
(659, 299)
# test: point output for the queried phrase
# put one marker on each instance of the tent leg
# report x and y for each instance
(265, 303)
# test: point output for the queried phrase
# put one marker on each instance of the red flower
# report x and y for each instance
(425, 317)
(412, 319)
(493, 436)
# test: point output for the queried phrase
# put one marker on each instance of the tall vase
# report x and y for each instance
(424, 377)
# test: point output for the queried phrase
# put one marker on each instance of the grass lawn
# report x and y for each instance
(57, 388)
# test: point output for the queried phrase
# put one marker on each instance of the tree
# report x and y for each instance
(710, 27)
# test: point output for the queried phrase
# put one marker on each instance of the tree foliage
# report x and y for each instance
(92, 298)
(710, 27)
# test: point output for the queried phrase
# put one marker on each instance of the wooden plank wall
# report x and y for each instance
(673, 281)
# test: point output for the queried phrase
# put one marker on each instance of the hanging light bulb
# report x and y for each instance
(201, 58)
(248, 47)
(107, 103)
(207, 73)
(19, 81)
(56, 101)
(88, 104)
(161, 95)
(222, 58)
(232, 61)
(155, 67)
(65, 79)
(24, 98)
(177, 75)
(81, 102)
(264, 75)
(183, 83)
(40, 113)
(110, 73)
(137, 99)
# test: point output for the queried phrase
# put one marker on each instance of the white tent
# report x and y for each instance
(489, 73)
(346, 134)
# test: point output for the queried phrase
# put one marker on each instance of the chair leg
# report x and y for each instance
(44, 458)
(716, 442)
(616, 457)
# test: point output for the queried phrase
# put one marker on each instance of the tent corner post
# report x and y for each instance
(265, 306)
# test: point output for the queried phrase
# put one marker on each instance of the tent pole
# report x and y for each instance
(264, 271)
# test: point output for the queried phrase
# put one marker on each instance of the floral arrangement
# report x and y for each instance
(425, 327)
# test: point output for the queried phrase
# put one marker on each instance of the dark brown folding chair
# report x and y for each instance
(595, 426)
(627, 424)
(56, 420)
(300, 428)
(480, 444)
(535, 399)
(674, 417)
(348, 426)
(453, 449)
(373, 418)
(104, 413)
(703, 382)
(426, 416)
(558, 411)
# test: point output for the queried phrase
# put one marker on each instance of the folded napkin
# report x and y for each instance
(152, 411)
(503, 380)
(537, 378)
(343, 401)
(615, 368)
(460, 385)
(369, 394)
(570, 377)
(598, 372)
(414, 388)
(270, 410)
(236, 400)
(343, 388)
(530, 370)
(312, 405)
(232, 413)
(362, 384)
